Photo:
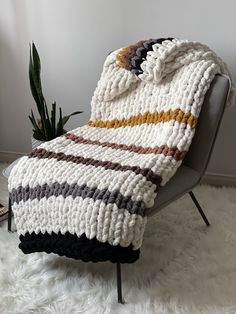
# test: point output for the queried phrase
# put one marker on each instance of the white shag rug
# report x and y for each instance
(184, 268)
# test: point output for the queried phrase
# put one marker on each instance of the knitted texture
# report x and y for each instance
(90, 190)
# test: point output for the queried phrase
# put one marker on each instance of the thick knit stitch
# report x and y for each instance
(87, 193)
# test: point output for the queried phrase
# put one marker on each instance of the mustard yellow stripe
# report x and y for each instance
(148, 118)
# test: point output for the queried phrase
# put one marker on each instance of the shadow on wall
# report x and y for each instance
(225, 147)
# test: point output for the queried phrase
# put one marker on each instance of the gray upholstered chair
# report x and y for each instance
(195, 163)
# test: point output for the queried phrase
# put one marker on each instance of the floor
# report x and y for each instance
(185, 267)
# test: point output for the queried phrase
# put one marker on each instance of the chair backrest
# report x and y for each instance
(209, 121)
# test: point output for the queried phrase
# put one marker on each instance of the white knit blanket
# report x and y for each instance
(86, 194)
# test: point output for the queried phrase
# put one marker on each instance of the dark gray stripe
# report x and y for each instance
(74, 190)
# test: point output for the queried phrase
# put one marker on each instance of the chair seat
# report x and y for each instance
(197, 158)
(183, 181)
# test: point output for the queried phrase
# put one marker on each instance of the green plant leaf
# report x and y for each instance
(53, 119)
(33, 85)
(36, 129)
(35, 80)
(66, 118)
(48, 128)
(37, 63)
(60, 124)
(37, 136)
(48, 124)
(35, 124)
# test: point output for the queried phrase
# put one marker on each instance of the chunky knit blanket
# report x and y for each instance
(86, 194)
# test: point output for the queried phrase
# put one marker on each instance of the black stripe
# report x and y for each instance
(70, 245)
(141, 54)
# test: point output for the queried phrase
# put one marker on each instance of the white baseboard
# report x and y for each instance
(10, 156)
(211, 178)
(219, 179)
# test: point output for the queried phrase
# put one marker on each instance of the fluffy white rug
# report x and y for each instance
(185, 267)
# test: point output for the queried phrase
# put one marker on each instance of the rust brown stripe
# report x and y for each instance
(146, 172)
(164, 149)
(124, 55)
(148, 118)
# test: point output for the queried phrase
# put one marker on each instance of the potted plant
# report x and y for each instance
(47, 126)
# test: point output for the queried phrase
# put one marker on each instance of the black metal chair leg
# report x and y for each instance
(119, 283)
(9, 215)
(199, 208)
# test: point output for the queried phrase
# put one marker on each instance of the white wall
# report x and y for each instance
(73, 38)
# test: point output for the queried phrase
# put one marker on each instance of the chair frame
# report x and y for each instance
(9, 215)
(118, 267)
